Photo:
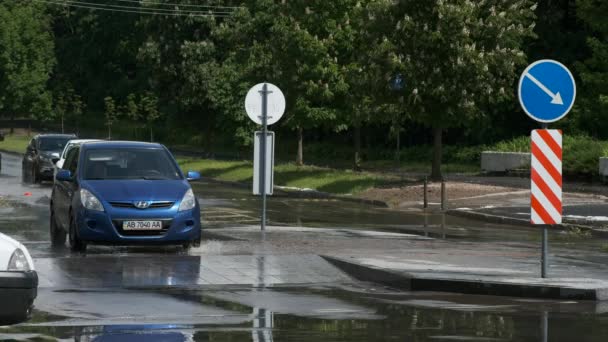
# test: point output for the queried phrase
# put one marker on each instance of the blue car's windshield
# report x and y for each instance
(129, 163)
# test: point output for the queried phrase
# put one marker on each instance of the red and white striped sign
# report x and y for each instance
(546, 196)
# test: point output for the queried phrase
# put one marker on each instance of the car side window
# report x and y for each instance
(71, 161)
(32, 146)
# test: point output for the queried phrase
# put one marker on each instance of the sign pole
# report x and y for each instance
(265, 105)
(546, 91)
(545, 244)
(263, 151)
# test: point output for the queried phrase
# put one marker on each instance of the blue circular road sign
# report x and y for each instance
(546, 90)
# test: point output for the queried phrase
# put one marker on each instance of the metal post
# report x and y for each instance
(544, 326)
(443, 226)
(426, 201)
(545, 243)
(545, 254)
(263, 151)
(443, 196)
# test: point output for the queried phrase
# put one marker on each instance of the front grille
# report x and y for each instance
(163, 231)
(161, 205)
(121, 204)
(153, 205)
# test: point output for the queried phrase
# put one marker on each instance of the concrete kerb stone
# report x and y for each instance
(371, 274)
(408, 282)
(572, 224)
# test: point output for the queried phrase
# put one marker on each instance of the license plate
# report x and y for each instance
(142, 225)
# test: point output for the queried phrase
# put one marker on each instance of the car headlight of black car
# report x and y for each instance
(46, 161)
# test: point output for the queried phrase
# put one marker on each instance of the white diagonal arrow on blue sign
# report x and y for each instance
(555, 98)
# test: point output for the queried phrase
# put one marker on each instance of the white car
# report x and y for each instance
(67, 148)
(71, 144)
(18, 281)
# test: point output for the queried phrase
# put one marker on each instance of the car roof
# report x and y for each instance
(45, 135)
(82, 141)
(120, 144)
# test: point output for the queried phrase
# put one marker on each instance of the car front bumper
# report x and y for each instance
(17, 293)
(103, 227)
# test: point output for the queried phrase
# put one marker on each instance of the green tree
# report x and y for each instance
(460, 56)
(286, 43)
(67, 106)
(593, 103)
(149, 111)
(110, 114)
(26, 59)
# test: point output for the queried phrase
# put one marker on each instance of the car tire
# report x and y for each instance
(35, 176)
(76, 244)
(58, 235)
(24, 175)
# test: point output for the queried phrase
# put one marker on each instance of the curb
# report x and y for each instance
(16, 154)
(474, 215)
(407, 282)
(282, 192)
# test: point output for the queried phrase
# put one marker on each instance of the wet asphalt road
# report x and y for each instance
(207, 294)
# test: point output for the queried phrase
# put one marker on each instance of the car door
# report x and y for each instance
(64, 190)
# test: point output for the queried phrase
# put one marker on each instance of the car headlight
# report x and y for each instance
(188, 202)
(89, 200)
(18, 261)
(46, 160)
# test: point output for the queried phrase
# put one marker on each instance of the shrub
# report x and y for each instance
(580, 156)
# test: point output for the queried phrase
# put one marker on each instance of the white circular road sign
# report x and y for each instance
(275, 103)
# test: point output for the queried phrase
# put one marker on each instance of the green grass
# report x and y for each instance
(288, 174)
(15, 143)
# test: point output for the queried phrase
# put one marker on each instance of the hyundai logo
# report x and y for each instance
(141, 204)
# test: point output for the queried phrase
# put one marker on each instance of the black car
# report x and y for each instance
(41, 155)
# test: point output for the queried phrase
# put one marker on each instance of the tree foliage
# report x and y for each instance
(336, 62)
(460, 56)
(26, 59)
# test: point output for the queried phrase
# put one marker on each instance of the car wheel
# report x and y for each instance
(58, 235)
(35, 176)
(76, 244)
(24, 174)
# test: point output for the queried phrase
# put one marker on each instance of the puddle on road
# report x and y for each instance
(324, 314)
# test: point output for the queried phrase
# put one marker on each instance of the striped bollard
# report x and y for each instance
(546, 177)
(546, 187)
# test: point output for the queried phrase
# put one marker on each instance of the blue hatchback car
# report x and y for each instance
(113, 192)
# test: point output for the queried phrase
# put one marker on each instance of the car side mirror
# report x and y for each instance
(64, 176)
(193, 175)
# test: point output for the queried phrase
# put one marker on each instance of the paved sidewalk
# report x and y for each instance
(485, 261)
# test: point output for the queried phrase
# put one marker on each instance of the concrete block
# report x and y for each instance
(504, 161)
(603, 167)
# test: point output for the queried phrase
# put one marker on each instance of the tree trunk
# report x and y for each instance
(357, 137)
(151, 136)
(109, 132)
(12, 124)
(398, 152)
(62, 130)
(300, 156)
(436, 167)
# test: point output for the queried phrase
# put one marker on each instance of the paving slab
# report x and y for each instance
(408, 276)
(185, 270)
